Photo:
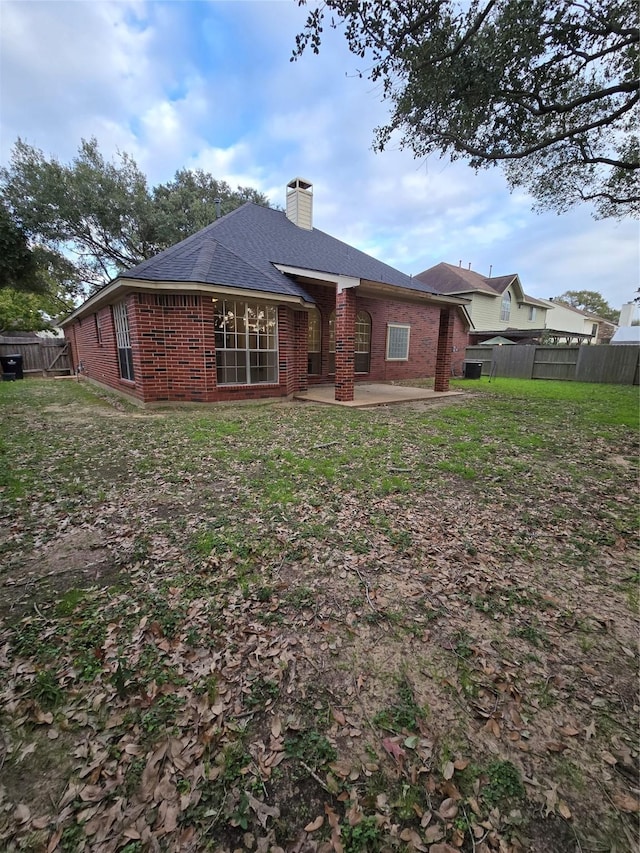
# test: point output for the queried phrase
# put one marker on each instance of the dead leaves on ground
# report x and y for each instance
(184, 713)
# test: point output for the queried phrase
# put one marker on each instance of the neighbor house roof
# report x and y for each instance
(456, 281)
(447, 278)
(244, 249)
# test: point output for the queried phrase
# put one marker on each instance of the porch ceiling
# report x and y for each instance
(373, 394)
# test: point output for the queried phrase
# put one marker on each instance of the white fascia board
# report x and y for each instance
(342, 282)
(126, 285)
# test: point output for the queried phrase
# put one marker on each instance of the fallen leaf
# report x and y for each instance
(448, 809)
(22, 813)
(564, 810)
(590, 730)
(448, 770)
(433, 833)
(276, 727)
(555, 746)
(338, 716)
(610, 759)
(315, 824)
(394, 749)
(262, 810)
(626, 803)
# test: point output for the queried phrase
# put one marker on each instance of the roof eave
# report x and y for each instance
(128, 285)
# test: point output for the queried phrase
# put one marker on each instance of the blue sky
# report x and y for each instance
(210, 85)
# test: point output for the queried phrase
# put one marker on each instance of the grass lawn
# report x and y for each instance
(293, 627)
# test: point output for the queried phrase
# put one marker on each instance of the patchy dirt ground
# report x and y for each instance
(421, 636)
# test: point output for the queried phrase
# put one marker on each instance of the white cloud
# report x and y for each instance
(211, 86)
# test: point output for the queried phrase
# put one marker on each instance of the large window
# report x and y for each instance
(532, 313)
(123, 340)
(246, 342)
(398, 342)
(505, 309)
(363, 342)
(314, 346)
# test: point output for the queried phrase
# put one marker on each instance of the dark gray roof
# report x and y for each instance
(241, 248)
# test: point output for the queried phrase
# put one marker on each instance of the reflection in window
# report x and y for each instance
(246, 342)
(505, 310)
(314, 345)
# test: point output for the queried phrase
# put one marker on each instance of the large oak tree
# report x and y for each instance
(100, 216)
(547, 88)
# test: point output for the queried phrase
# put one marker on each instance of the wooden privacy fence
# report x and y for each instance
(610, 364)
(40, 356)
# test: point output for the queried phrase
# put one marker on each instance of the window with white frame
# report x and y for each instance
(505, 309)
(532, 313)
(314, 345)
(123, 340)
(398, 342)
(362, 350)
(246, 342)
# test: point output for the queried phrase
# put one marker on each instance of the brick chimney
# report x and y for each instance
(300, 203)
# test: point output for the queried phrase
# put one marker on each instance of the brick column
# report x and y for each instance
(345, 344)
(298, 375)
(445, 345)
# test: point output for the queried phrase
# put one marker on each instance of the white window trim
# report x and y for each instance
(398, 326)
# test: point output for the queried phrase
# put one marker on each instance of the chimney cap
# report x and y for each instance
(299, 183)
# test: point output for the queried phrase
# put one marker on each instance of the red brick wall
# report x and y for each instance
(173, 347)
(423, 342)
(99, 360)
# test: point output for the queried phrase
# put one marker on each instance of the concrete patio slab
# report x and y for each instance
(374, 394)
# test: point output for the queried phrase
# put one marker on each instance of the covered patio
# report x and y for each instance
(367, 395)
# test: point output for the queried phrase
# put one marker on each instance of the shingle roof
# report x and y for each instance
(449, 279)
(241, 248)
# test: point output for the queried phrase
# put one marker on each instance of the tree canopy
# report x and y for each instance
(547, 88)
(98, 216)
(590, 301)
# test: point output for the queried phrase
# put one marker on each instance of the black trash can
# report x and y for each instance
(12, 364)
(472, 369)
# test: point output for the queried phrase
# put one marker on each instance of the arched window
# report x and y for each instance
(332, 342)
(363, 342)
(314, 345)
(505, 311)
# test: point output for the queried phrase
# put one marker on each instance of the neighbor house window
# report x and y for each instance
(398, 342)
(314, 347)
(96, 320)
(123, 340)
(532, 313)
(363, 342)
(505, 310)
(246, 342)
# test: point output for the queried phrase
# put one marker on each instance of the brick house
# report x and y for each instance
(261, 304)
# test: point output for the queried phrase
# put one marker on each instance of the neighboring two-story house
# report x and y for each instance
(498, 306)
